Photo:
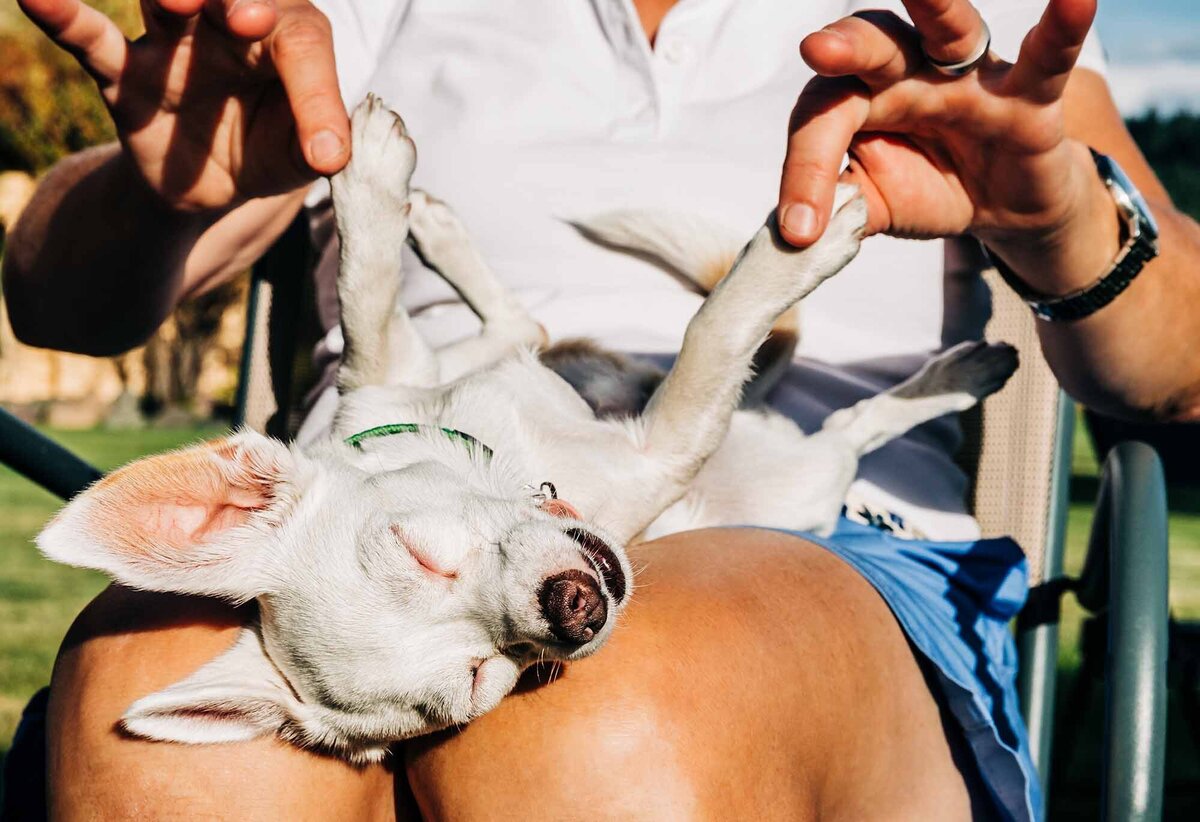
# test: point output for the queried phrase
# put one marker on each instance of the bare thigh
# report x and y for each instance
(127, 644)
(755, 675)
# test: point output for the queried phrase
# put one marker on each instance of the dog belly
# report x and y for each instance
(766, 473)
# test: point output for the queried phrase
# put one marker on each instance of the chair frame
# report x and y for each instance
(1124, 581)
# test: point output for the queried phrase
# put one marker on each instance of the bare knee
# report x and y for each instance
(127, 644)
(612, 756)
(753, 675)
(688, 709)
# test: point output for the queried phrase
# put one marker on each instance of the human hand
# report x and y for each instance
(220, 100)
(939, 156)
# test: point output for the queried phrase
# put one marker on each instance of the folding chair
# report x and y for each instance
(1020, 446)
(1019, 451)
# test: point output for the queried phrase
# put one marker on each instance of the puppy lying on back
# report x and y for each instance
(469, 515)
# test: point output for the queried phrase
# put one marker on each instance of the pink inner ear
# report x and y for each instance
(560, 508)
(174, 523)
(179, 500)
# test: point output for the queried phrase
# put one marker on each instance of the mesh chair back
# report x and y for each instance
(1011, 444)
(278, 325)
(256, 401)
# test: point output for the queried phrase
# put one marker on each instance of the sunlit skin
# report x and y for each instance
(659, 724)
(267, 69)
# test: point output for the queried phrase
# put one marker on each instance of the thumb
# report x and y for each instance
(828, 113)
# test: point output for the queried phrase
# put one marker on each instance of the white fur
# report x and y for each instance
(703, 252)
(398, 583)
(700, 250)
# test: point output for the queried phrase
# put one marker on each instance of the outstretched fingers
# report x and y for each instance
(93, 39)
(876, 46)
(248, 19)
(301, 48)
(828, 114)
(1049, 51)
(950, 29)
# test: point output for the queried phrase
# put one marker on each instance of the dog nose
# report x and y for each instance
(573, 605)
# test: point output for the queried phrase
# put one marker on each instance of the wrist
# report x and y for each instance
(1074, 251)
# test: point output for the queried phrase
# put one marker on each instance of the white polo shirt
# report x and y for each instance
(526, 112)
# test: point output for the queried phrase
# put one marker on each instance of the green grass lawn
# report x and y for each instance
(38, 600)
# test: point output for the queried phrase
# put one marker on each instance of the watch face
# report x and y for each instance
(1114, 175)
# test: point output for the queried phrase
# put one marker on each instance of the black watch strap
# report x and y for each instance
(1088, 300)
(1140, 247)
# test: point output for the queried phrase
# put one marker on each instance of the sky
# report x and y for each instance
(1153, 48)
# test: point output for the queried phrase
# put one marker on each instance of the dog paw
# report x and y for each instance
(375, 181)
(849, 218)
(838, 245)
(977, 368)
(433, 226)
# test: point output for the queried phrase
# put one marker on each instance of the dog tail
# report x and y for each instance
(689, 245)
(701, 252)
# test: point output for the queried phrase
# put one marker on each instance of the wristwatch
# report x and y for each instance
(1141, 246)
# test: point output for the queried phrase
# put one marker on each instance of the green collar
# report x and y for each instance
(412, 427)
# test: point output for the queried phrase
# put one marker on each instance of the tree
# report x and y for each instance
(1172, 145)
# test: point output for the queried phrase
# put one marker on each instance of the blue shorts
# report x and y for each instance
(955, 600)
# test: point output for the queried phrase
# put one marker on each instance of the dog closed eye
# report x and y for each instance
(433, 562)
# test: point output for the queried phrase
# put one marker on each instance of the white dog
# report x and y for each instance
(470, 515)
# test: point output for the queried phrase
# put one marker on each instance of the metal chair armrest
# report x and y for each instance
(1126, 572)
(31, 453)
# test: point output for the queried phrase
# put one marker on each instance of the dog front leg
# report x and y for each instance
(688, 416)
(371, 207)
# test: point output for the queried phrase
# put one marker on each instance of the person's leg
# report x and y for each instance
(127, 644)
(753, 673)
(754, 676)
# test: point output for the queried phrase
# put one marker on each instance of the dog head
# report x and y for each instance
(401, 589)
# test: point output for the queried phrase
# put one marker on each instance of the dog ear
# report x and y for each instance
(560, 508)
(196, 521)
(237, 696)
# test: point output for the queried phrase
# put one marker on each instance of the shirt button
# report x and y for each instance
(674, 51)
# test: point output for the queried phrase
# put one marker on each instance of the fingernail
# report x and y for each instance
(245, 4)
(800, 220)
(324, 147)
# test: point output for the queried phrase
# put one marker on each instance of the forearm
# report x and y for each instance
(1129, 358)
(97, 261)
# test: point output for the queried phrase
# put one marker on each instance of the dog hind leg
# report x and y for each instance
(443, 243)
(951, 382)
(371, 208)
